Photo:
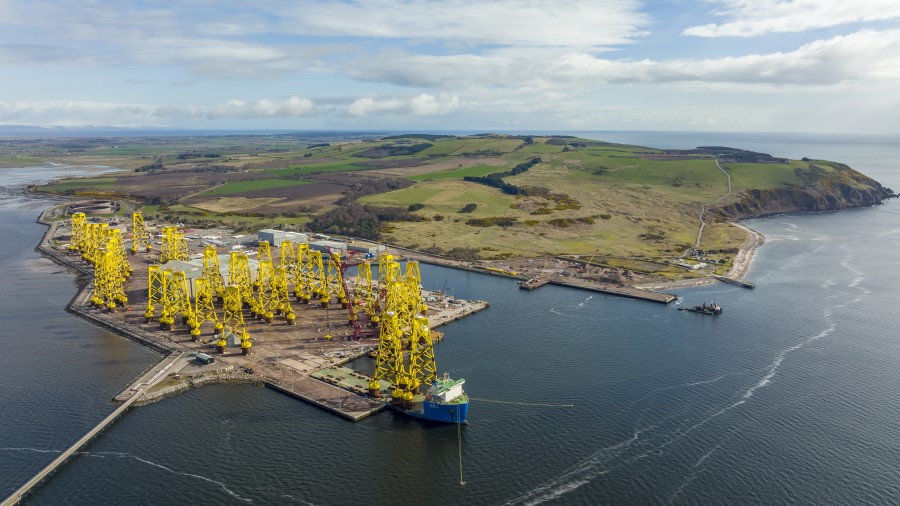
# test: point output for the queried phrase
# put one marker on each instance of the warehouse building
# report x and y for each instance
(276, 237)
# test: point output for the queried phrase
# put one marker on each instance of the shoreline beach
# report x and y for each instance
(739, 267)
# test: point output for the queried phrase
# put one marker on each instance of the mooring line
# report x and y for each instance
(459, 443)
(538, 404)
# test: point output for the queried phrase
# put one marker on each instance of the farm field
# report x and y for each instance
(573, 196)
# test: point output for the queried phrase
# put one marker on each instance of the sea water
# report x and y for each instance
(791, 396)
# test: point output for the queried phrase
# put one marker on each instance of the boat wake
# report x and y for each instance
(580, 474)
(35, 450)
(662, 433)
(168, 469)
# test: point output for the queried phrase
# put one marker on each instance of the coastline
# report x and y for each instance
(743, 260)
(151, 386)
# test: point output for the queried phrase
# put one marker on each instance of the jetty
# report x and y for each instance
(64, 457)
(534, 283)
(732, 281)
(135, 390)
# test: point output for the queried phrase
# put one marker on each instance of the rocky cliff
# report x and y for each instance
(824, 187)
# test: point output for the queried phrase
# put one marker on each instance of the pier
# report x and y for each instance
(133, 393)
(341, 402)
(27, 488)
(738, 282)
(534, 283)
(622, 291)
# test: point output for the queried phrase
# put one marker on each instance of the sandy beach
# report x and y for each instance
(739, 268)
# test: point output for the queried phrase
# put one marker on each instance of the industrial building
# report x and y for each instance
(276, 237)
(366, 248)
(328, 246)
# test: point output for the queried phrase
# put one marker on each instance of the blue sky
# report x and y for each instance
(727, 65)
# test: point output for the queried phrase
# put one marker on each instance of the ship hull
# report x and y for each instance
(436, 412)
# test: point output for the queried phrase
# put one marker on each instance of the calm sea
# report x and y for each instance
(791, 396)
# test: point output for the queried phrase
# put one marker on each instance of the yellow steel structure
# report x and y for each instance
(212, 272)
(166, 244)
(280, 299)
(422, 366)
(363, 287)
(239, 275)
(316, 272)
(233, 320)
(265, 251)
(388, 271)
(389, 356)
(116, 244)
(302, 274)
(98, 294)
(108, 282)
(288, 255)
(264, 254)
(365, 292)
(413, 280)
(204, 311)
(397, 299)
(263, 304)
(79, 225)
(334, 281)
(155, 287)
(175, 299)
(94, 237)
(413, 276)
(174, 245)
(140, 237)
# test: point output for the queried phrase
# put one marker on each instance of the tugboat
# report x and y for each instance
(711, 309)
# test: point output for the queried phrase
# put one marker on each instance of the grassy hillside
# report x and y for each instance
(583, 197)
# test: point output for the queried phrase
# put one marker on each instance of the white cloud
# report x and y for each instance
(364, 106)
(749, 18)
(574, 23)
(867, 55)
(74, 112)
(264, 108)
(421, 105)
(427, 105)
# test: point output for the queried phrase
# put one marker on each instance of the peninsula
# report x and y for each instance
(613, 213)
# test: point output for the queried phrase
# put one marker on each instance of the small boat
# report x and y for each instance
(711, 309)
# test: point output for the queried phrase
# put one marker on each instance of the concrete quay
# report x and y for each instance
(572, 282)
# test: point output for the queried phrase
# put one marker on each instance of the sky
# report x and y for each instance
(421, 65)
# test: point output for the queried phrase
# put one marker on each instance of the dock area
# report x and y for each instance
(285, 358)
(534, 283)
(339, 401)
(572, 280)
(622, 291)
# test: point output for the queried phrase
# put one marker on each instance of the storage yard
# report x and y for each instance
(270, 309)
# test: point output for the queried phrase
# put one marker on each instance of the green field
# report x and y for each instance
(446, 197)
(248, 186)
(477, 170)
(304, 170)
(761, 175)
(584, 197)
